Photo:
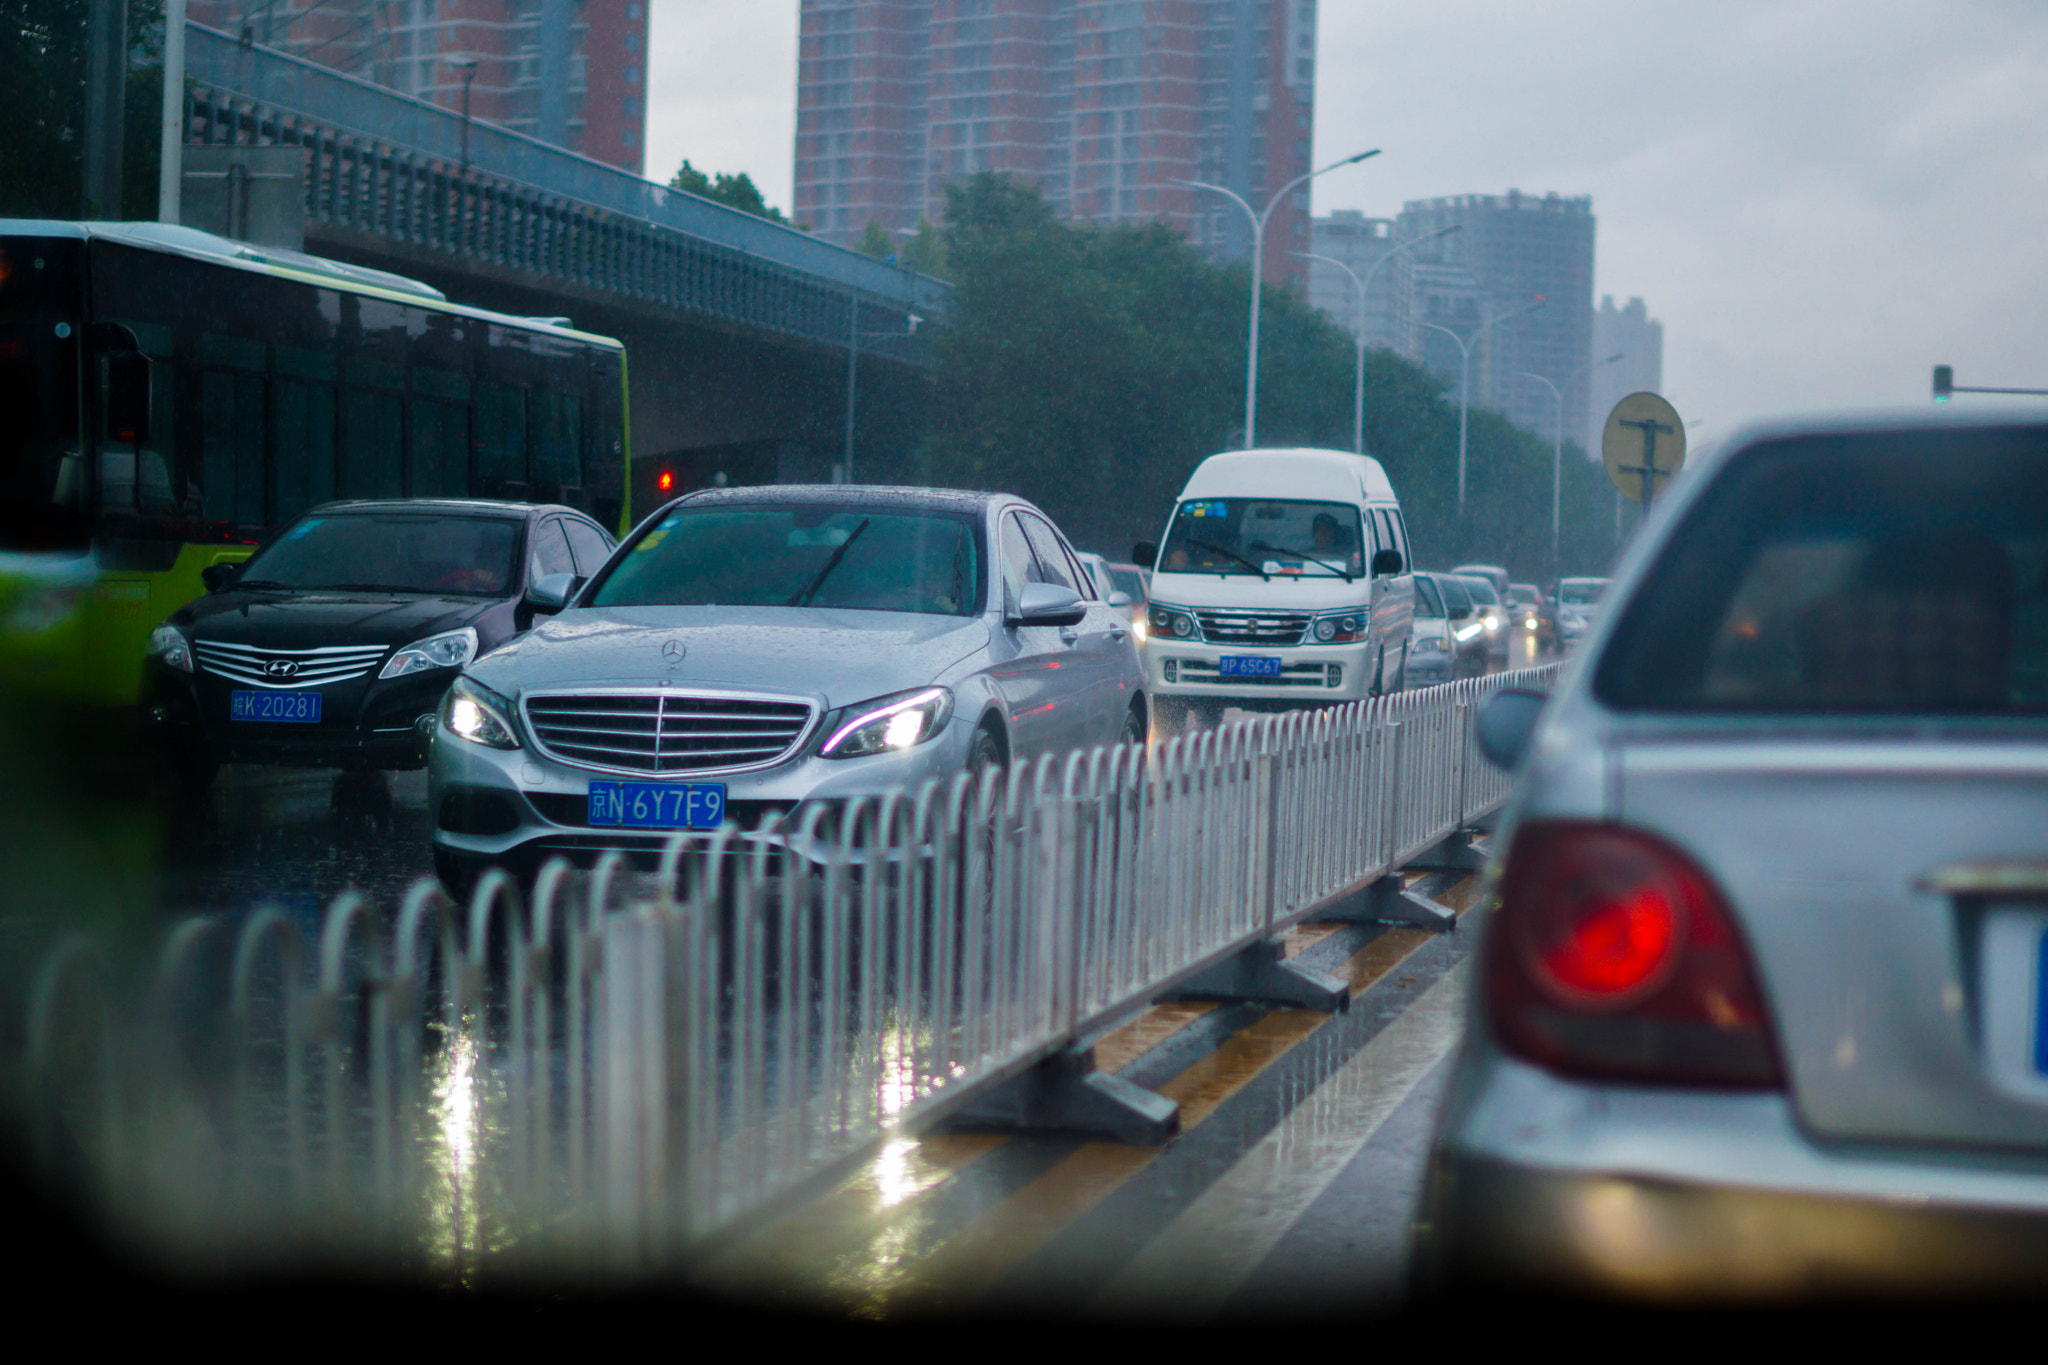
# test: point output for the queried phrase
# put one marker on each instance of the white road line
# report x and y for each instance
(1220, 1238)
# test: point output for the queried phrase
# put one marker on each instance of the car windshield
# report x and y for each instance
(802, 555)
(466, 556)
(1884, 573)
(1129, 582)
(1265, 536)
(1580, 592)
(1481, 592)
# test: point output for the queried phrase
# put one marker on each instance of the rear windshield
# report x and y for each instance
(1899, 573)
(365, 552)
(797, 555)
(1580, 592)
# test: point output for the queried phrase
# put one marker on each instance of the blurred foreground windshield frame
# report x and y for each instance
(847, 556)
(1871, 574)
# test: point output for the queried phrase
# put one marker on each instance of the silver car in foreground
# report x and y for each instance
(1761, 1010)
(747, 650)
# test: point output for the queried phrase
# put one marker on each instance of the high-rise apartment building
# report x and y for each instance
(1509, 250)
(569, 72)
(1365, 246)
(1638, 339)
(1102, 104)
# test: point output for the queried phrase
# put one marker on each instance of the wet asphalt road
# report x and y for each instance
(296, 838)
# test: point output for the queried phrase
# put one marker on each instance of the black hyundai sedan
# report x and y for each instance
(331, 646)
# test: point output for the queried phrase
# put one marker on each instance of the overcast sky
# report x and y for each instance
(1820, 199)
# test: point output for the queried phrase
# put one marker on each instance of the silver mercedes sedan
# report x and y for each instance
(747, 650)
(1761, 1009)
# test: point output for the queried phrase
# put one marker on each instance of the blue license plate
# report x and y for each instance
(1247, 666)
(296, 708)
(657, 805)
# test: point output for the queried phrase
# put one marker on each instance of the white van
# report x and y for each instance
(1283, 580)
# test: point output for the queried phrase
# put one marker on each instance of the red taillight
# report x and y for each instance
(1613, 957)
(665, 481)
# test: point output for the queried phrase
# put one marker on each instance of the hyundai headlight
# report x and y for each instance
(169, 644)
(899, 721)
(475, 713)
(449, 649)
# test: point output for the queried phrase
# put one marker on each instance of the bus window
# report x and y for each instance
(500, 441)
(372, 445)
(440, 449)
(304, 446)
(231, 451)
(557, 441)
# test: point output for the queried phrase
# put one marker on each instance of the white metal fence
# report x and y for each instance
(612, 1070)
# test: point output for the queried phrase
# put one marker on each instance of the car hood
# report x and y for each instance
(838, 656)
(1285, 592)
(304, 620)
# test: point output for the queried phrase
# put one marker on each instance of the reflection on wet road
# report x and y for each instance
(296, 837)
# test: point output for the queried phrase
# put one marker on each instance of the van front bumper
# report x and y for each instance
(1186, 668)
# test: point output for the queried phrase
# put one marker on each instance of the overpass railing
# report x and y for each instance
(409, 171)
(616, 1071)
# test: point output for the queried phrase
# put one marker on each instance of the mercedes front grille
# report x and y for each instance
(662, 732)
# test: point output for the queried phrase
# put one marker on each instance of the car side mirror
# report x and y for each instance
(1048, 604)
(1144, 554)
(1117, 599)
(551, 592)
(1505, 722)
(216, 577)
(1386, 562)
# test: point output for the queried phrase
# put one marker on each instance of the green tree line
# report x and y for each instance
(1091, 368)
(42, 109)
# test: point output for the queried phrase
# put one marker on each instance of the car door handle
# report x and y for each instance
(1118, 634)
(1067, 635)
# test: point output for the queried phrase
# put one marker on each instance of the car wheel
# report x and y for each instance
(1134, 726)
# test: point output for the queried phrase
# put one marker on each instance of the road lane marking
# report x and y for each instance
(1209, 1250)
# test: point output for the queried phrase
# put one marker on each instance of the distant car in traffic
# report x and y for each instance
(331, 645)
(1120, 585)
(749, 650)
(1448, 641)
(1578, 606)
(1759, 1011)
(1529, 619)
(1493, 616)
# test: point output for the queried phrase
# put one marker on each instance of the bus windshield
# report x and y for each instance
(367, 552)
(43, 496)
(1264, 536)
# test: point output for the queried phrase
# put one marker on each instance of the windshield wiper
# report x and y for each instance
(1262, 545)
(1232, 554)
(810, 589)
(259, 583)
(364, 587)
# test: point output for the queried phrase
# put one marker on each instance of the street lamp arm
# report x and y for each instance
(1235, 197)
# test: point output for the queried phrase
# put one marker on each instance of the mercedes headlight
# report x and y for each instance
(898, 721)
(449, 649)
(479, 715)
(169, 644)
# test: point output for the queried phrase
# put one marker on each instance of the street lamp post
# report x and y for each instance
(1363, 285)
(1557, 440)
(1251, 363)
(468, 70)
(1465, 380)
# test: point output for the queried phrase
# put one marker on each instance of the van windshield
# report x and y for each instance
(1264, 536)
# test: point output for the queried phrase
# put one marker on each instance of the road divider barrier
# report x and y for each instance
(611, 1072)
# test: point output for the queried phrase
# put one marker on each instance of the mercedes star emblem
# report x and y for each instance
(673, 652)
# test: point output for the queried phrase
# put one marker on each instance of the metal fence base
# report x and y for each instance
(1262, 975)
(1065, 1093)
(1454, 853)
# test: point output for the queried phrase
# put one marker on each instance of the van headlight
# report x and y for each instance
(1168, 624)
(169, 644)
(1342, 628)
(475, 713)
(901, 720)
(450, 649)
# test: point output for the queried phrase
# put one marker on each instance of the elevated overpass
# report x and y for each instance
(738, 329)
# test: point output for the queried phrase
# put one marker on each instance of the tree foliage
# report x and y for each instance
(1092, 368)
(42, 108)
(734, 191)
